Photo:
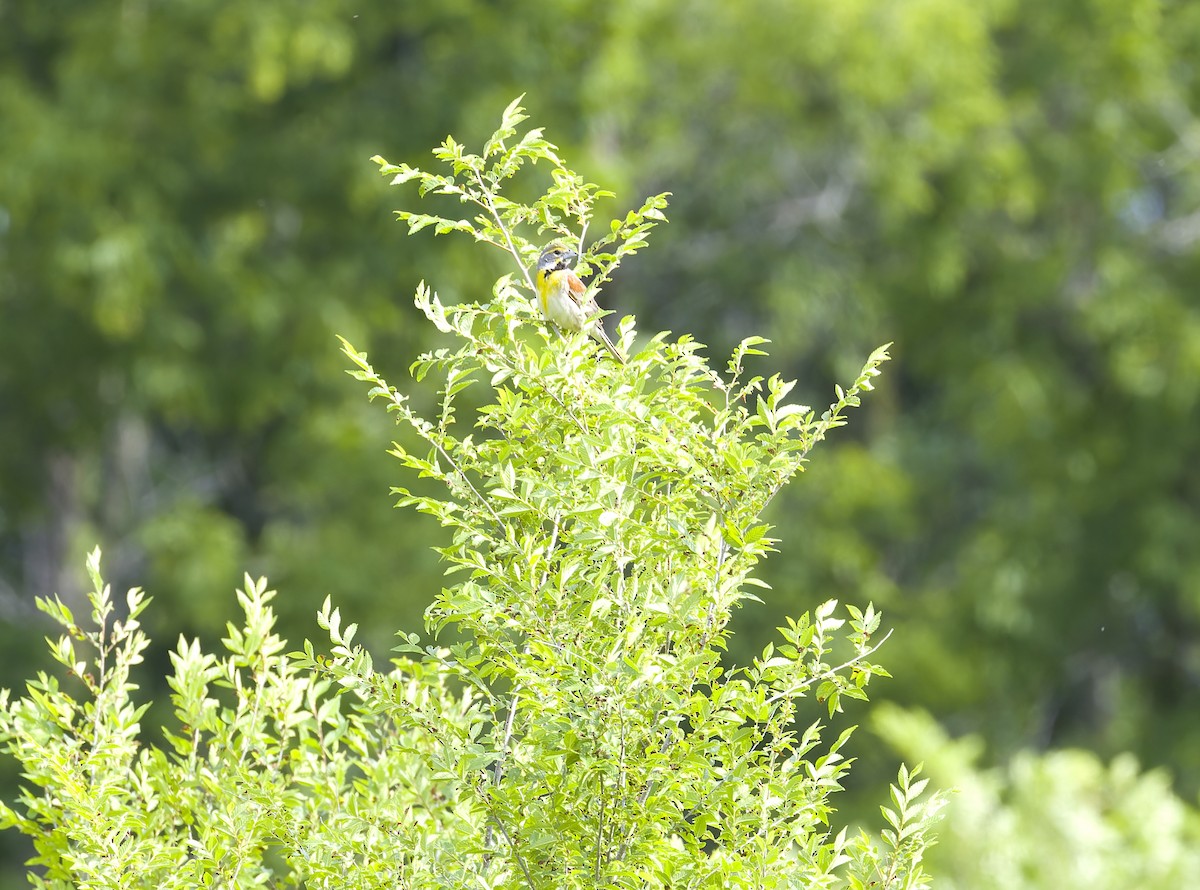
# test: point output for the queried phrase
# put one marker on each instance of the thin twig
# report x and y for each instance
(600, 828)
(579, 423)
(398, 400)
(498, 768)
(490, 205)
(498, 771)
(647, 791)
(550, 545)
(824, 675)
(722, 552)
(516, 853)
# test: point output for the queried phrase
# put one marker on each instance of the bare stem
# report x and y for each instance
(516, 853)
(490, 206)
(825, 675)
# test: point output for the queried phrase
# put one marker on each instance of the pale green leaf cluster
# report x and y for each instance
(575, 726)
(269, 777)
(1064, 819)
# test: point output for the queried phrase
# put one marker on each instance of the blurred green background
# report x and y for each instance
(1007, 189)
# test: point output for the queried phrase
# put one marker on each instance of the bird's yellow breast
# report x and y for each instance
(557, 302)
(551, 285)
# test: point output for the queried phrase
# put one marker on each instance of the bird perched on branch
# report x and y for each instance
(565, 300)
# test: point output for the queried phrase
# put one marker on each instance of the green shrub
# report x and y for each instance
(575, 728)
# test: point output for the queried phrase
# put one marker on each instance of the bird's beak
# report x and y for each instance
(572, 256)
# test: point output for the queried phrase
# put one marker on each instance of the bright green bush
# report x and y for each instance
(576, 727)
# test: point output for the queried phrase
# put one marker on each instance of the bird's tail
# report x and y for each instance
(599, 335)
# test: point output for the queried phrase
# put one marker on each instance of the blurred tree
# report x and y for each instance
(175, 261)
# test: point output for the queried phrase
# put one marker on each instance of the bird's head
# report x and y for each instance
(555, 256)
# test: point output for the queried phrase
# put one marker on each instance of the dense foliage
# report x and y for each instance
(582, 732)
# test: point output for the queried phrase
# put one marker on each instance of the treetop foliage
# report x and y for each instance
(578, 729)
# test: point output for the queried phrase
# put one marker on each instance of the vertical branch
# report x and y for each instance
(490, 206)
(600, 828)
(498, 772)
(516, 853)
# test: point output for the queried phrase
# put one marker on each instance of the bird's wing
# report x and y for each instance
(576, 288)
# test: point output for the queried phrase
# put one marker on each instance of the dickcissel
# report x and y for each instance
(565, 300)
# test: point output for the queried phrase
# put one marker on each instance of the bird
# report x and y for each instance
(564, 299)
